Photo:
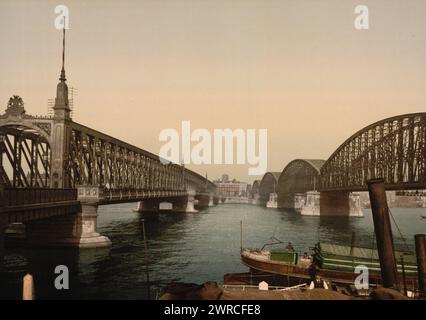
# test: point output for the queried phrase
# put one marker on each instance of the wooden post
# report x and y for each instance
(420, 240)
(241, 236)
(28, 287)
(1, 246)
(404, 277)
(146, 258)
(352, 244)
(383, 230)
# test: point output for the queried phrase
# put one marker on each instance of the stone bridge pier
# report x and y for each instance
(256, 199)
(299, 202)
(204, 201)
(78, 229)
(329, 203)
(184, 204)
(216, 200)
(75, 230)
(311, 205)
(340, 203)
(149, 205)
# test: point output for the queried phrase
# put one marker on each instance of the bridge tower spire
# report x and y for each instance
(61, 133)
(61, 108)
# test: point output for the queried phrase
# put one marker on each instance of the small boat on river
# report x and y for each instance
(333, 263)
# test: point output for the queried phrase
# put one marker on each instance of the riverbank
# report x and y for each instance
(213, 291)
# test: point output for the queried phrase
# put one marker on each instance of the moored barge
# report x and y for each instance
(335, 264)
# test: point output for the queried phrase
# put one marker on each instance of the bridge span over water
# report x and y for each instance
(393, 149)
(55, 172)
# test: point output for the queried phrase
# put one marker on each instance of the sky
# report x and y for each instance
(299, 69)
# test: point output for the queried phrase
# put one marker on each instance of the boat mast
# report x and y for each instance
(352, 244)
(241, 236)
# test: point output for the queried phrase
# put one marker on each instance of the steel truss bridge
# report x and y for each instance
(393, 149)
(42, 152)
(51, 167)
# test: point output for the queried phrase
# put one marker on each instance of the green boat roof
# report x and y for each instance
(327, 249)
(281, 250)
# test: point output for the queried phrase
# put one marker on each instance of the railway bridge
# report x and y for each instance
(393, 149)
(55, 172)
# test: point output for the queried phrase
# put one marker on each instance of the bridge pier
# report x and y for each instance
(272, 202)
(299, 202)
(334, 203)
(329, 203)
(185, 204)
(203, 201)
(76, 230)
(255, 200)
(148, 206)
(211, 202)
(340, 203)
(355, 206)
(312, 204)
(216, 200)
(87, 221)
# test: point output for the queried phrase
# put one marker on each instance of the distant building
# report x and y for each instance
(248, 189)
(233, 188)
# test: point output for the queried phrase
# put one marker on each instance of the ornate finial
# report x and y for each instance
(15, 106)
(62, 77)
(61, 107)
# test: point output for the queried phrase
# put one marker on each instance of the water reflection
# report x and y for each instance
(83, 267)
(182, 247)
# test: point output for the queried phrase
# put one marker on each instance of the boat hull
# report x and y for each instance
(254, 277)
(302, 273)
(276, 268)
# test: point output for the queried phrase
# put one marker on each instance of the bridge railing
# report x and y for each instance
(119, 194)
(21, 196)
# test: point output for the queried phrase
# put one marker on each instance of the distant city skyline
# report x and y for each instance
(226, 178)
(225, 186)
(299, 69)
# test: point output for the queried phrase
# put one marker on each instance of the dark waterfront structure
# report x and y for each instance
(420, 242)
(383, 231)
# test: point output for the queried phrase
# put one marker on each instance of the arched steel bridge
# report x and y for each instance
(299, 176)
(393, 149)
(54, 173)
(43, 152)
(267, 185)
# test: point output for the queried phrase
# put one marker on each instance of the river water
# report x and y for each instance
(182, 247)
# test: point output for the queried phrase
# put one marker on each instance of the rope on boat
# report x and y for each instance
(400, 233)
(373, 245)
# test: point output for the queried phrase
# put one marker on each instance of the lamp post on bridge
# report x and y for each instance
(46, 163)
